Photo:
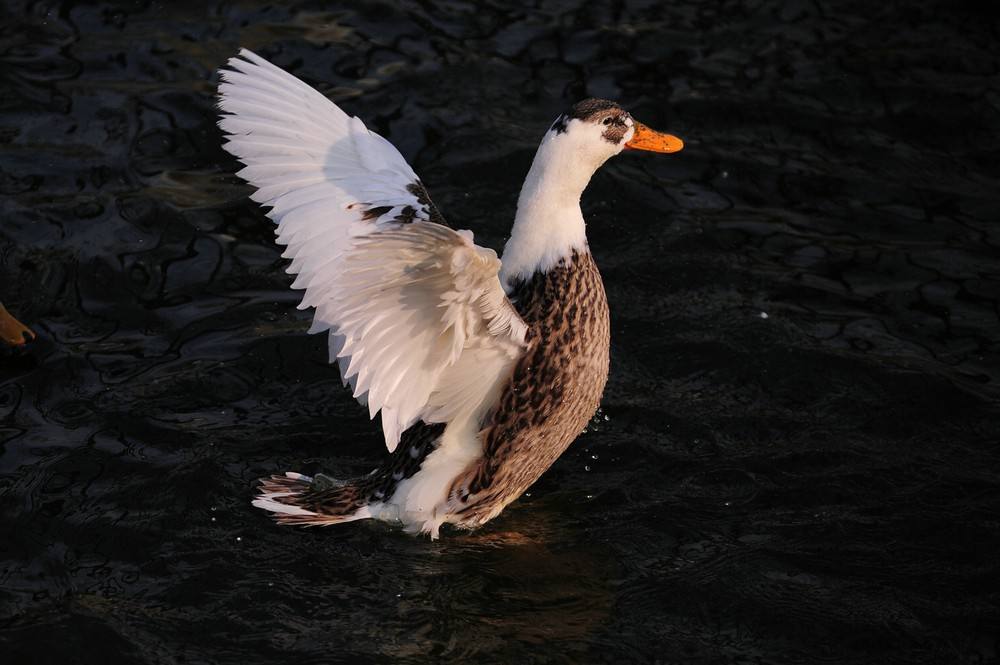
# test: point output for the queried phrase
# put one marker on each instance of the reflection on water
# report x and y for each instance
(799, 458)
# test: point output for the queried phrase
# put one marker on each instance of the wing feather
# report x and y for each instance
(417, 320)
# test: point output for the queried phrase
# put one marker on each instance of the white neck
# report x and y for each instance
(549, 224)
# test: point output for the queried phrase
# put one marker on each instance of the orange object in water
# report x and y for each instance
(12, 331)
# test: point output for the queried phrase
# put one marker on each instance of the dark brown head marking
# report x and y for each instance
(600, 111)
(588, 109)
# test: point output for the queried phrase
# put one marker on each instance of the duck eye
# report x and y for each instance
(607, 121)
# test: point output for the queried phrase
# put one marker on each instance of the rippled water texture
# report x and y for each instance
(799, 458)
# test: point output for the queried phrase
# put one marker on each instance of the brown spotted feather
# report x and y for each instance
(337, 503)
(553, 392)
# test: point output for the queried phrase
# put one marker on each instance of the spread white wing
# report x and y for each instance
(418, 320)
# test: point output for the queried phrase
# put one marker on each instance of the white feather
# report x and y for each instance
(417, 318)
(549, 224)
(267, 502)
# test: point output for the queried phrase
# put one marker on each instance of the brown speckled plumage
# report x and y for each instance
(343, 500)
(553, 392)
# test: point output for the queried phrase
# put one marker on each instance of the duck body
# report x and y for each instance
(544, 404)
(554, 390)
(483, 371)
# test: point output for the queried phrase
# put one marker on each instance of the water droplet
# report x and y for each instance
(239, 539)
(586, 468)
(589, 497)
(725, 174)
(763, 315)
(593, 457)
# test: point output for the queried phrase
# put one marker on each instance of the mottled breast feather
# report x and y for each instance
(553, 392)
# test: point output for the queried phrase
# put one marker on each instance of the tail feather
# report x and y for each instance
(297, 499)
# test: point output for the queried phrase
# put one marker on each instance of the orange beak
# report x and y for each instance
(652, 140)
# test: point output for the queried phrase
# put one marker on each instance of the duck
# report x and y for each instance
(481, 370)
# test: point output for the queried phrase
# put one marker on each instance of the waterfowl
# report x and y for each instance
(483, 371)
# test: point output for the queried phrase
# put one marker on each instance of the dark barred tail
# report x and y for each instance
(305, 501)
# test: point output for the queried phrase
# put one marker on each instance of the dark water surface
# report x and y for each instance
(797, 460)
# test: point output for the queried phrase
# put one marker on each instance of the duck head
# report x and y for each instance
(595, 130)
(549, 225)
